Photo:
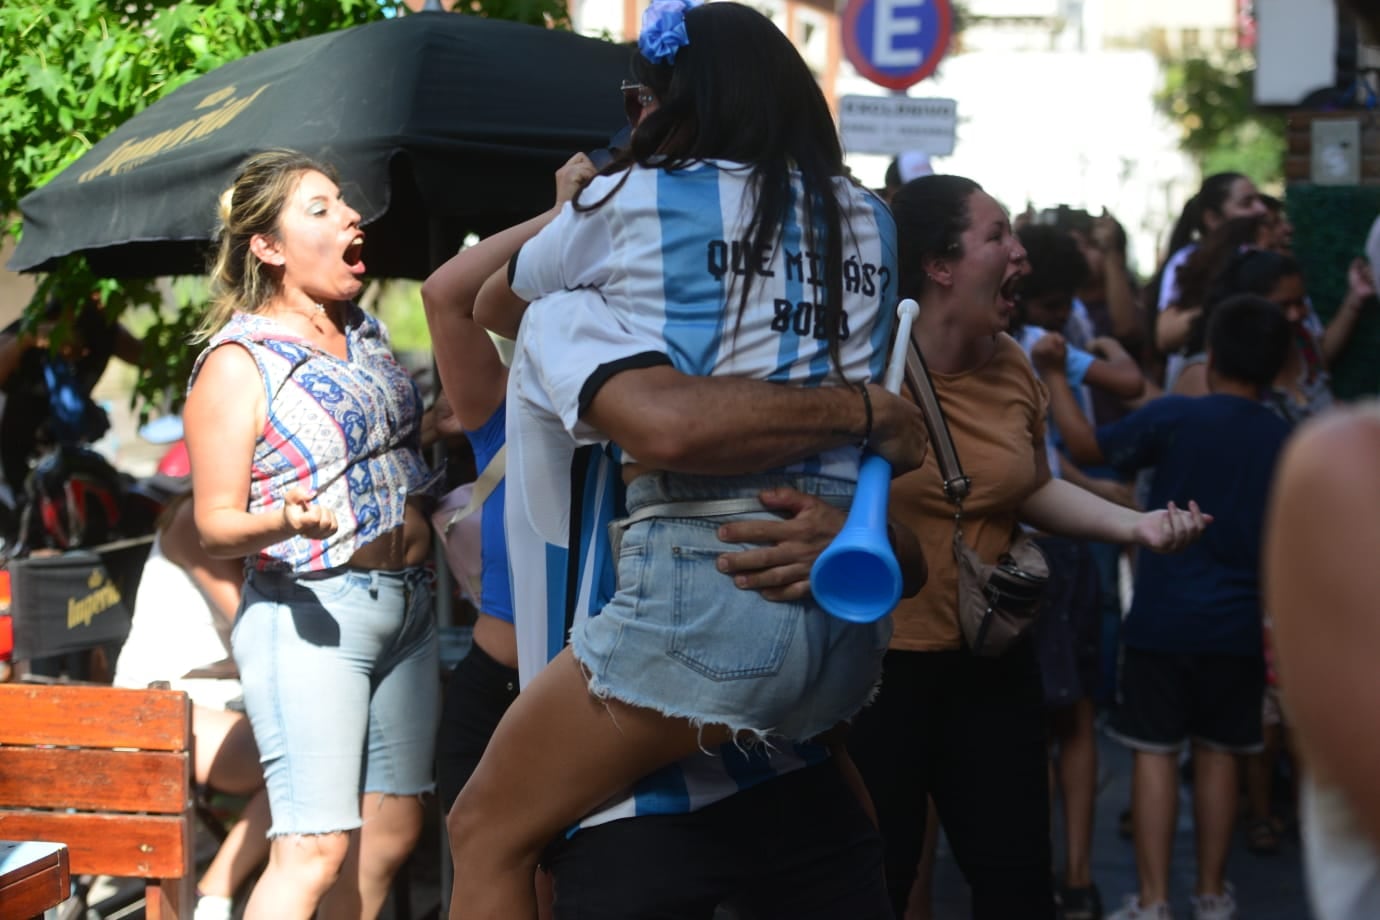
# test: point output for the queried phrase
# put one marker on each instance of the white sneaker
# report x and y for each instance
(1215, 906)
(1132, 909)
(211, 907)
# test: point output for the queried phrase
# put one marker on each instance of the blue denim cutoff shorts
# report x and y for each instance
(680, 638)
(342, 686)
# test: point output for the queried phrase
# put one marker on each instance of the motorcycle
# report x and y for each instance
(73, 555)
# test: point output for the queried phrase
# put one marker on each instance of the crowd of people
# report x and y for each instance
(655, 717)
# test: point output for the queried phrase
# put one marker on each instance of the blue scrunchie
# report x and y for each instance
(663, 30)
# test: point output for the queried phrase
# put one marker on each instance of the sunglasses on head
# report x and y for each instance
(636, 97)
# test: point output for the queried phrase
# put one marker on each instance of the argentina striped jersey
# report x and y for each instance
(668, 251)
(561, 497)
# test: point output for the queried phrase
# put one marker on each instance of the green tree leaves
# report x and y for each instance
(1214, 104)
(74, 71)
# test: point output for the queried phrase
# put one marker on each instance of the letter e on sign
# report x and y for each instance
(896, 43)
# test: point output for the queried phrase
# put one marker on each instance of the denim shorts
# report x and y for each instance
(342, 686)
(680, 638)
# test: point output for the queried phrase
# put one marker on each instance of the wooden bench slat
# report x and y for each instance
(126, 846)
(156, 720)
(30, 897)
(143, 781)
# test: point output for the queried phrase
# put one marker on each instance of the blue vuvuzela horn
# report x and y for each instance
(857, 577)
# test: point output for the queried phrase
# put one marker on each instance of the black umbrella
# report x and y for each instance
(441, 124)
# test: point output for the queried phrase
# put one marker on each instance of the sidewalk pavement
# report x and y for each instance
(1267, 887)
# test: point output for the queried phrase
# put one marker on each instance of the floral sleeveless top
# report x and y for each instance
(347, 429)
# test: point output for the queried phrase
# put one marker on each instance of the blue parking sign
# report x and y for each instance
(896, 43)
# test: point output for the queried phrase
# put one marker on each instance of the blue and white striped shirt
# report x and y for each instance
(560, 500)
(669, 265)
(652, 272)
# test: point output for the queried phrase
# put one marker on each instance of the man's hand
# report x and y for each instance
(898, 430)
(780, 567)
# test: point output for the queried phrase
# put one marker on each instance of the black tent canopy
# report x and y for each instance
(440, 124)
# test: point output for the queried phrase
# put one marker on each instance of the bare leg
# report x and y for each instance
(557, 754)
(1214, 812)
(391, 826)
(301, 868)
(244, 850)
(1078, 782)
(920, 905)
(1155, 804)
(227, 759)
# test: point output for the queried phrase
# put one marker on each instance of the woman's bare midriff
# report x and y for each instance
(400, 548)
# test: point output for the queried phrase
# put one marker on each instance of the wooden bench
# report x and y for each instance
(33, 877)
(108, 772)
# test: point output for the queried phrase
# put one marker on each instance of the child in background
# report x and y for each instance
(1193, 668)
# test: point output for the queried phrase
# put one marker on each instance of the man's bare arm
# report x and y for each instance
(729, 425)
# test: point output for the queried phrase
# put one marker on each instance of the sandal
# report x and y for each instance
(1261, 837)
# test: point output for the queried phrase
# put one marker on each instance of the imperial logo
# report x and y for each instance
(220, 108)
(102, 596)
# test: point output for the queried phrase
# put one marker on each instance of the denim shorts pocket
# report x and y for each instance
(331, 588)
(720, 630)
(629, 565)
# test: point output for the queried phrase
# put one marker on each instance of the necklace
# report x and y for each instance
(312, 315)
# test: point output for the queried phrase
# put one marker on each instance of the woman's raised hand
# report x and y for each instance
(1360, 281)
(573, 176)
(314, 522)
(1171, 529)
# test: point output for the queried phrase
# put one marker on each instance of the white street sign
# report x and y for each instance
(894, 124)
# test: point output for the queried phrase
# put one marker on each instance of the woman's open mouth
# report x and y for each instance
(354, 254)
(1010, 290)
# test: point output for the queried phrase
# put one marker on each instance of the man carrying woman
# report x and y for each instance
(721, 246)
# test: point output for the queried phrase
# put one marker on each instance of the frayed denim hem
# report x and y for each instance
(274, 833)
(424, 789)
(743, 735)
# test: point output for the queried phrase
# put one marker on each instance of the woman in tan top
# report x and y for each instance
(969, 731)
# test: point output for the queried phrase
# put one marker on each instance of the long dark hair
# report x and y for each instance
(1249, 271)
(1209, 198)
(740, 91)
(931, 215)
(1217, 248)
(1212, 195)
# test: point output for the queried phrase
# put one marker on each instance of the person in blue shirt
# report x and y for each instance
(1193, 669)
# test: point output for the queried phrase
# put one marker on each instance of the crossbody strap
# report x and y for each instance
(483, 487)
(956, 485)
